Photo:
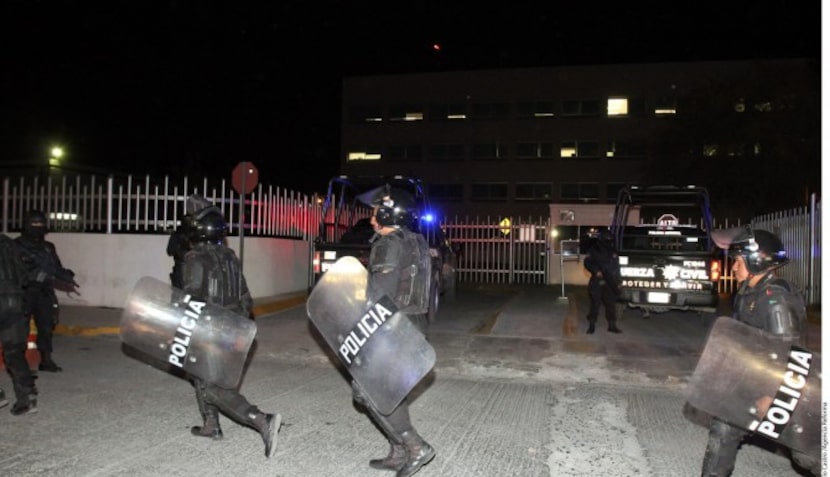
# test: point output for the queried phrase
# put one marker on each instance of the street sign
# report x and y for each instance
(245, 177)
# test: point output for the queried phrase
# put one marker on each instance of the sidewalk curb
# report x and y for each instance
(264, 308)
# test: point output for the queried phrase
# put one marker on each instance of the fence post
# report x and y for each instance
(5, 205)
(110, 185)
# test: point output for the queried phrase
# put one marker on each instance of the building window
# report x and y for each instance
(579, 149)
(362, 154)
(534, 150)
(580, 192)
(762, 107)
(446, 192)
(534, 191)
(490, 111)
(625, 150)
(447, 152)
(612, 191)
(405, 153)
(567, 149)
(447, 112)
(488, 152)
(710, 150)
(665, 106)
(735, 150)
(489, 191)
(587, 107)
(538, 109)
(406, 112)
(617, 106)
(366, 113)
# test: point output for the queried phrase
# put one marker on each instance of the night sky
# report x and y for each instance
(192, 88)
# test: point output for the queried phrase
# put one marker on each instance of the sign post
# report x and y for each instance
(244, 179)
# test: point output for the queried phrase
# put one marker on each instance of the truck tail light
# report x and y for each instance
(714, 270)
(315, 263)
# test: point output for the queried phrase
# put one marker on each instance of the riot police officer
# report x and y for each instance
(763, 301)
(14, 329)
(603, 264)
(398, 268)
(43, 266)
(211, 273)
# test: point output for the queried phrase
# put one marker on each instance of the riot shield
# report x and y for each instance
(381, 348)
(756, 381)
(178, 333)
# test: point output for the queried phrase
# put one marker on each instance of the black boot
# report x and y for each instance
(394, 461)
(3, 400)
(211, 427)
(614, 329)
(25, 405)
(591, 329)
(268, 425)
(420, 453)
(46, 363)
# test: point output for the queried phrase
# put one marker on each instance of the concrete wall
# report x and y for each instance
(108, 266)
(572, 268)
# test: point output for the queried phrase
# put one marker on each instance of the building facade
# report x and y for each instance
(511, 142)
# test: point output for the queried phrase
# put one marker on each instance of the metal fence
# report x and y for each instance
(491, 250)
(128, 205)
(800, 231)
(501, 251)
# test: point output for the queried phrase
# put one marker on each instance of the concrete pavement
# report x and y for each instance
(518, 389)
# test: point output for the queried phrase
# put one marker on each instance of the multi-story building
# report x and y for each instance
(511, 142)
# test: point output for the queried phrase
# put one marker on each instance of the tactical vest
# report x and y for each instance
(220, 283)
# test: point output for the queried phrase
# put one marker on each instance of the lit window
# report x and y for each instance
(568, 149)
(617, 106)
(665, 106)
(363, 156)
(710, 150)
(406, 112)
(764, 107)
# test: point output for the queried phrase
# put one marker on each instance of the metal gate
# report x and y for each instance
(508, 250)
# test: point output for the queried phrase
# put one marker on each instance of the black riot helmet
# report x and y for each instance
(207, 225)
(760, 249)
(34, 224)
(395, 207)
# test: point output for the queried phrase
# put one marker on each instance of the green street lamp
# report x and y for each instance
(54, 159)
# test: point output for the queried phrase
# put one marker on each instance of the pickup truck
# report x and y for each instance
(667, 257)
(345, 229)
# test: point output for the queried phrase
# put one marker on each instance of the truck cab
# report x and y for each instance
(345, 229)
(668, 259)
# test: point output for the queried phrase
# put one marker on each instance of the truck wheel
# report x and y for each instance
(434, 298)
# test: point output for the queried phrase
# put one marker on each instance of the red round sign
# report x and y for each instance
(249, 172)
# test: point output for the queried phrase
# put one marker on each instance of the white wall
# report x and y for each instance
(107, 266)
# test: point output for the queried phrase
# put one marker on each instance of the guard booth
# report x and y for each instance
(570, 224)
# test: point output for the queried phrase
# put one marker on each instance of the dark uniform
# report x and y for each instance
(772, 304)
(42, 265)
(177, 246)
(14, 329)
(211, 273)
(603, 264)
(398, 268)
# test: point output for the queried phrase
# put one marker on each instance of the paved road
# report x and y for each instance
(518, 389)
